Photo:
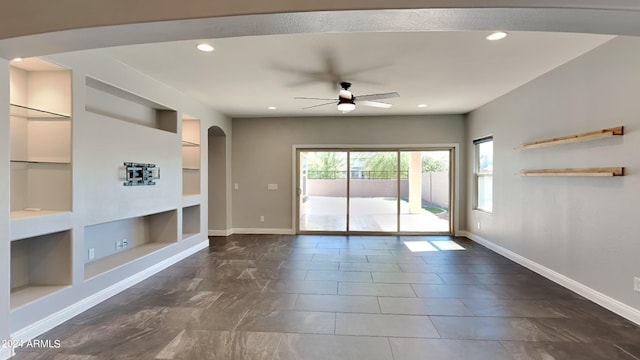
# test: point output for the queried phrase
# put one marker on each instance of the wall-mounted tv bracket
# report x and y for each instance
(141, 174)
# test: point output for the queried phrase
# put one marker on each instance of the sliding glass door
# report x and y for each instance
(374, 190)
(424, 205)
(322, 191)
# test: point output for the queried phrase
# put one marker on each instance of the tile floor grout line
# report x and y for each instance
(414, 291)
(393, 356)
(626, 352)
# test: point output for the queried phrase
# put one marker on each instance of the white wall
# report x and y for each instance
(262, 154)
(584, 229)
(4, 210)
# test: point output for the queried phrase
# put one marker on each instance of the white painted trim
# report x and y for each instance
(258, 231)
(263, 231)
(55, 319)
(599, 298)
(294, 187)
(226, 232)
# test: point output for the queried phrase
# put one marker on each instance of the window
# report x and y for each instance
(483, 172)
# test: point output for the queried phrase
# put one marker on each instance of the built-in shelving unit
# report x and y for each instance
(40, 140)
(592, 135)
(190, 156)
(40, 265)
(117, 243)
(74, 231)
(587, 172)
(113, 102)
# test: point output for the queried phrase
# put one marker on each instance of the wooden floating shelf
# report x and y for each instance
(597, 172)
(592, 135)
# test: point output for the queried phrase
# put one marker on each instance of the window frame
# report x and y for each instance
(477, 174)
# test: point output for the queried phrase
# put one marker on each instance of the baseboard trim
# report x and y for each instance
(249, 231)
(599, 298)
(55, 319)
(220, 232)
(263, 231)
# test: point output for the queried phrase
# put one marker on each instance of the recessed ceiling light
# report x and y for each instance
(18, 59)
(498, 35)
(205, 47)
(272, 108)
(422, 105)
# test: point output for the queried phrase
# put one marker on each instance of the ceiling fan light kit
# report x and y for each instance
(346, 105)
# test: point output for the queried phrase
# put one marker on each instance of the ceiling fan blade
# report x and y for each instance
(375, 104)
(377, 96)
(310, 98)
(310, 107)
(332, 73)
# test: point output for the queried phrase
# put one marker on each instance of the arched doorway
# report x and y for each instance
(218, 219)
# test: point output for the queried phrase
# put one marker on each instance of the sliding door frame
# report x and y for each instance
(454, 184)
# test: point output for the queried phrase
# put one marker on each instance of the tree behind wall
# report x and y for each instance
(383, 165)
(326, 165)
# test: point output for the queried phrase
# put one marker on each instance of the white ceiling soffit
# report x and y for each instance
(451, 72)
(616, 18)
(21, 18)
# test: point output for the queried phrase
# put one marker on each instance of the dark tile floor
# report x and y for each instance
(338, 297)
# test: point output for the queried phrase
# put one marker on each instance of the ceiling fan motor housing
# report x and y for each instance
(345, 93)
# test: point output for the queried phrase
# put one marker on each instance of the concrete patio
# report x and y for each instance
(377, 214)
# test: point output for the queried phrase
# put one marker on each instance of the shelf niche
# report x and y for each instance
(40, 138)
(191, 156)
(592, 135)
(144, 235)
(107, 100)
(40, 265)
(585, 172)
(190, 221)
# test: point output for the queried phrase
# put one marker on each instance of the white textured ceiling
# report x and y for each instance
(452, 72)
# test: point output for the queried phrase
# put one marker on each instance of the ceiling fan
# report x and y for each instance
(346, 101)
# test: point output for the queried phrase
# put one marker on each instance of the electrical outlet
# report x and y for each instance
(125, 243)
(118, 245)
(261, 218)
(636, 284)
(92, 253)
(478, 225)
